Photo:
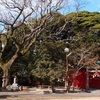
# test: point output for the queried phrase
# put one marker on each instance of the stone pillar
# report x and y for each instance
(14, 80)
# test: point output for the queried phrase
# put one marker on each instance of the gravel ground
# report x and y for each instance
(48, 95)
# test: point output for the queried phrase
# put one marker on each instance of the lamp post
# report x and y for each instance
(66, 69)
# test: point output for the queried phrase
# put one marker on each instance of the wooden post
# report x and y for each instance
(87, 79)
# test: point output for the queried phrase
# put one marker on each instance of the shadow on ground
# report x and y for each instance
(6, 96)
(90, 90)
(64, 91)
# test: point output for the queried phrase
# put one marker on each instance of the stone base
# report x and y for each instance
(14, 86)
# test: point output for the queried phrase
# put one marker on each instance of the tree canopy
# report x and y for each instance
(35, 40)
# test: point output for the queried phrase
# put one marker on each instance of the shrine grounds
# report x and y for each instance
(46, 94)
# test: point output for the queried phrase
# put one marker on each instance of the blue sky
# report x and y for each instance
(92, 6)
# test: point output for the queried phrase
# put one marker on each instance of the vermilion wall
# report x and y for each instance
(81, 80)
(94, 82)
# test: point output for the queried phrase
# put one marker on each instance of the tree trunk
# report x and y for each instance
(52, 87)
(5, 80)
(68, 87)
(5, 67)
(87, 79)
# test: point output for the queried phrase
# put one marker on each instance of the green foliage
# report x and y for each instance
(46, 58)
(97, 26)
(47, 65)
(9, 50)
(83, 14)
(21, 32)
(88, 19)
(21, 68)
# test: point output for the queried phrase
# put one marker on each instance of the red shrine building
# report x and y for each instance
(87, 79)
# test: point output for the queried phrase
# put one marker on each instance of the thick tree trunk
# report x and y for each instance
(5, 80)
(5, 67)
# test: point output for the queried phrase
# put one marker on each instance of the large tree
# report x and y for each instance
(14, 17)
(85, 45)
